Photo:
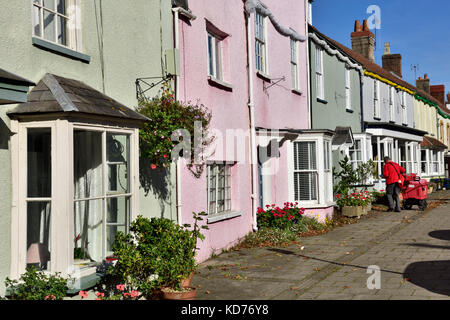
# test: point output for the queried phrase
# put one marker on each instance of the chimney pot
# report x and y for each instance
(387, 48)
(366, 26)
(425, 76)
(363, 40)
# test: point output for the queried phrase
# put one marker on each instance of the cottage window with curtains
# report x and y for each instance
(57, 21)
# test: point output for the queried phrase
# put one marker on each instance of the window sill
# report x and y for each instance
(322, 101)
(349, 110)
(223, 216)
(61, 50)
(317, 205)
(219, 83)
(263, 76)
(296, 91)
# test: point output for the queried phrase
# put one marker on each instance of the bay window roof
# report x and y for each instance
(55, 94)
(13, 88)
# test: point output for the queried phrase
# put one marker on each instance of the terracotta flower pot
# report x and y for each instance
(186, 282)
(188, 293)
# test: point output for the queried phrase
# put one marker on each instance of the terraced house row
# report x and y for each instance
(287, 103)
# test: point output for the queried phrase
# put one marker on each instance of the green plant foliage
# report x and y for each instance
(36, 285)
(349, 178)
(158, 137)
(157, 253)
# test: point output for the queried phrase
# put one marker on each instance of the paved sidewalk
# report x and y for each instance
(411, 248)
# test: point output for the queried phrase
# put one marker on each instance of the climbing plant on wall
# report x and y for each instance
(169, 122)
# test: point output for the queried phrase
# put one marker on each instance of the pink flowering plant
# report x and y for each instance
(279, 217)
(120, 293)
(355, 199)
(159, 136)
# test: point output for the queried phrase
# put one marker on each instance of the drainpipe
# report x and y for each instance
(178, 163)
(251, 106)
(177, 11)
(308, 66)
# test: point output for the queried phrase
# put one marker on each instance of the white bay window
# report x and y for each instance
(309, 167)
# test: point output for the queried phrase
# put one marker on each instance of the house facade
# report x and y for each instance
(211, 40)
(427, 110)
(388, 106)
(293, 159)
(70, 161)
(336, 90)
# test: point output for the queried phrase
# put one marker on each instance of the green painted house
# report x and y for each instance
(70, 169)
(336, 97)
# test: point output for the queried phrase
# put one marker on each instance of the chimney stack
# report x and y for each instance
(363, 40)
(392, 62)
(423, 84)
(438, 92)
(448, 98)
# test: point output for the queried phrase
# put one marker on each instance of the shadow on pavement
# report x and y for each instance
(440, 234)
(430, 275)
(288, 252)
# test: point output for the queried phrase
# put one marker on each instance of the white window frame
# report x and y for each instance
(62, 198)
(294, 65)
(392, 104)
(404, 111)
(320, 90)
(324, 176)
(228, 203)
(73, 26)
(376, 99)
(348, 92)
(214, 56)
(354, 160)
(261, 60)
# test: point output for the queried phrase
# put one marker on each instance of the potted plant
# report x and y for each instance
(352, 205)
(155, 257)
(178, 285)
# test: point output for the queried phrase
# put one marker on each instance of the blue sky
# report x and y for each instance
(419, 30)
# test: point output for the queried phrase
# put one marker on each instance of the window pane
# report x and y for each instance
(37, 21)
(50, 4)
(305, 186)
(62, 30)
(39, 175)
(87, 152)
(61, 6)
(38, 235)
(117, 210)
(117, 156)
(117, 218)
(88, 231)
(49, 26)
(210, 55)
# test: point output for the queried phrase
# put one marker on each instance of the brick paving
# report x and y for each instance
(411, 248)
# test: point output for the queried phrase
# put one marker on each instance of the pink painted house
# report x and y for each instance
(248, 63)
(294, 162)
(213, 64)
